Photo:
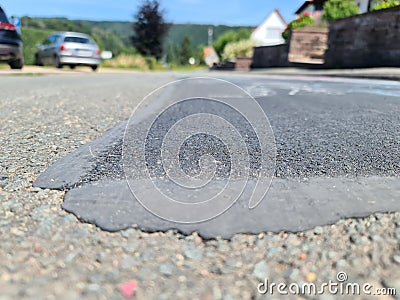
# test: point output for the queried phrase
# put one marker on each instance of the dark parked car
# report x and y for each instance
(10, 43)
(69, 48)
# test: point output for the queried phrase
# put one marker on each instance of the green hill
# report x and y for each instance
(110, 35)
(197, 33)
(31, 37)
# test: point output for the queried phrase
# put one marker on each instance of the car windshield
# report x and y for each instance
(79, 40)
(3, 17)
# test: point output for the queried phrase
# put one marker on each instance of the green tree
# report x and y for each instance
(150, 29)
(107, 41)
(242, 34)
(383, 4)
(337, 9)
(229, 37)
(173, 54)
(186, 51)
(199, 55)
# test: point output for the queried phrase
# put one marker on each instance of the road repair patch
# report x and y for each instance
(217, 161)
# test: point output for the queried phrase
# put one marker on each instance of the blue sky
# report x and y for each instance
(231, 12)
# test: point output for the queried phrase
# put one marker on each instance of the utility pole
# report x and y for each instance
(210, 36)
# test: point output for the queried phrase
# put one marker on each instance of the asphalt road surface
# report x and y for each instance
(337, 157)
(337, 148)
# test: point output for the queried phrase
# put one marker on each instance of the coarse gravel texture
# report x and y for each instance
(47, 253)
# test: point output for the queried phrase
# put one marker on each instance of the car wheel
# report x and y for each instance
(72, 67)
(94, 67)
(38, 61)
(16, 64)
(57, 63)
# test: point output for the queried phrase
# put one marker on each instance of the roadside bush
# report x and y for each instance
(300, 22)
(383, 4)
(127, 61)
(128, 51)
(134, 61)
(242, 48)
(230, 37)
(177, 67)
(337, 9)
(151, 62)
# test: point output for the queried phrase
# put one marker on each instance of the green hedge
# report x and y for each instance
(337, 9)
(383, 4)
(300, 22)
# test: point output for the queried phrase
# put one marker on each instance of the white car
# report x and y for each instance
(68, 48)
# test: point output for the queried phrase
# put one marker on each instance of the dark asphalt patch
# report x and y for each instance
(290, 205)
(338, 156)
